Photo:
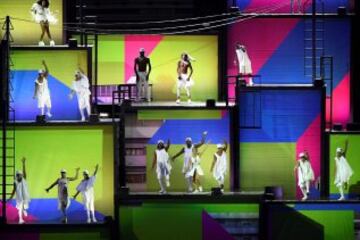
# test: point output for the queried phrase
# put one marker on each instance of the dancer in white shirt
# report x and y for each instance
(163, 166)
(219, 165)
(196, 170)
(86, 188)
(42, 91)
(81, 87)
(242, 61)
(305, 174)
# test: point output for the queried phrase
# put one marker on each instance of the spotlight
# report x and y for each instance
(337, 127)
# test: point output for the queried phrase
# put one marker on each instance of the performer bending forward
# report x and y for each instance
(142, 75)
(184, 77)
(219, 165)
(63, 192)
(42, 92)
(163, 167)
(22, 193)
(81, 87)
(187, 150)
(343, 171)
(305, 174)
(86, 188)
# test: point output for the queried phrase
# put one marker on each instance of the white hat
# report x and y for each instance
(62, 171)
(188, 139)
(41, 71)
(339, 150)
(86, 172)
(301, 155)
(160, 141)
(142, 50)
(19, 172)
(77, 72)
(219, 146)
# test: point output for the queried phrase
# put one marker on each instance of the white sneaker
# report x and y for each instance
(178, 101)
(189, 101)
(251, 83)
(88, 220)
(25, 213)
(168, 183)
(52, 43)
(21, 221)
(342, 198)
(41, 44)
(196, 191)
(94, 220)
(83, 119)
(304, 198)
(200, 189)
(49, 115)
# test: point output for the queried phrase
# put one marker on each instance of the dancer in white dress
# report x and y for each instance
(196, 170)
(219, 164)
(184, 77)
(42, 92)
(305, 174)
(242, 61)
(163, 166)
(343, 171)
(63, 192)
(22, 193)
(81, 87)
(86, 188)
(187, 150)
(42, 15)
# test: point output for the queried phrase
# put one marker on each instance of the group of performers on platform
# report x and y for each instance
(85, 187)
(305, 173)
(191, 169)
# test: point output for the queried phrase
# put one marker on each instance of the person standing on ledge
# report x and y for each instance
(184, 77)
(163, 167)
(305, 174)
(63, 191)
(142, 68)
(343, 171)
(242, 61)
(81, 87)
(86, 188)
(219, 165)
(22, 193)
(42, 92)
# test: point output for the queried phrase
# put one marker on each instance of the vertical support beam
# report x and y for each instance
(235, 139)
(96, 73)
(355, 64)
(324, 146)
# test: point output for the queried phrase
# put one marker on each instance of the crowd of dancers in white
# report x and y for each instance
(80, 87)
(85, 187)
(305, 173)
(191, 169)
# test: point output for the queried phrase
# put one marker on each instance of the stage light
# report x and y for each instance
(273, 193)
(216, 191)
(124, 191)
(319, 82)
(210, 103)
(341, 11)
(337, 127)
(40, 119)
(72, 43)
(353, 127)
(94, 118)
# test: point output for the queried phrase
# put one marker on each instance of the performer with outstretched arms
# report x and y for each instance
(142, 69)
(22, 193)
(305, 174)
(42, 92)
(219, 164)
(343, 171)
(163, 167)
(187, 151)
(81, 87)
(63, 192)
(86, 188)
(184, 76)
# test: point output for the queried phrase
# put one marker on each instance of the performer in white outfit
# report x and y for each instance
(41, 14)
(184, 80)
(196, 170)
(163, 166)
(187, 150)
(81, 87)
(22, 193)
(86, 188)
(343, 171)
(63, 192)
(305, 174)
(242, 61)
(292, 7)
(42, 92)
(142, 69)
(219, 165)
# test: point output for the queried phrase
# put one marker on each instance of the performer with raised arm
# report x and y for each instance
(196, 169)
(63, 192)
(22, 192)
(242, 61)
(86, 188)
(142, 69)
(343, 171)
(219, 164)
(187, 150)
(184, 76)
(41, 13)
(305, 174)
(162, 163)
(81, 87)
(42, 92)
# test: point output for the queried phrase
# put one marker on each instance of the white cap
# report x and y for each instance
(339, 150)
(77, 72)
(62, 171)
(188, 139)
(160, 141)
(301, 155)
(19, 172)
(41, 71)
(219, 146)
(142, 50)
(86, 172)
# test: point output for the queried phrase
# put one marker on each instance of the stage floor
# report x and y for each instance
(173, 104)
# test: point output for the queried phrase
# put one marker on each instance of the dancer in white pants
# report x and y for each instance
(343, 171)
(63, 191)
(187, 150)
(86, 188)
(196, 170)
(42, 92)
(163, 166)
(242, 61)
(219, 165)
(81, 87)
(305, 174)
(142, 69)
(22, 193)
(42, 15)
(184, 80)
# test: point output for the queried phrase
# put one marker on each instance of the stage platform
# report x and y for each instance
(174, 105)
(102, 121)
